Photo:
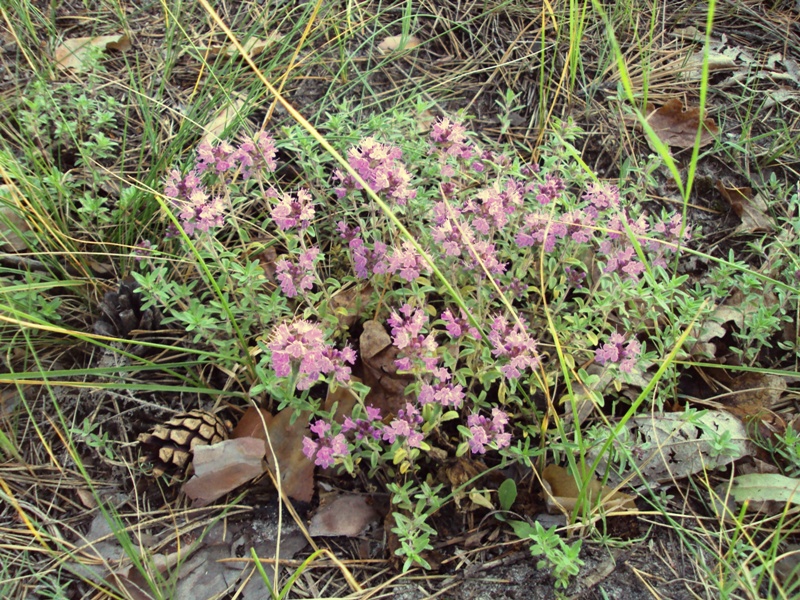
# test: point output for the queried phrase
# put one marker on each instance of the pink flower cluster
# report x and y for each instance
(458, 326)
(602, 195)
(380, 167)
(327, 447)
(407, 335)
(485, 431)
(198, 209)
(365, 259)
(540, 229)
(444, 394)
(250, 157)
(297, 278)
(617, 351)
(301, 345)
(458, 238)
(492, 206)
(515, 344)
(550, 190)
(449, 139)
(405, 425)
(404, 261)
(368, 428)
(293, 212)
(620, 252)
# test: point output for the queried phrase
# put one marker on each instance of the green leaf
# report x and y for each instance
(522, 529)
(761, 487)
(450, 415)
(507, 494)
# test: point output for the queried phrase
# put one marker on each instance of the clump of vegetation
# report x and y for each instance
(416, 305)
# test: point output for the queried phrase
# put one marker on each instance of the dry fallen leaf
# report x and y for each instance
(297, 472)
(395, 42)
(562, 492)
(225, 117)
(752, 399)
(669, 446)
(72, 53)
(380, 371)
(762, 492)
(678, 127)
(220, 468)
(255, 46)
(344, 514)
(374, 339)
(752, 210)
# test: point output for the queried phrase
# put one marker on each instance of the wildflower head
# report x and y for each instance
(326, 448)
(405, 426)
(513, 343)
(297, 278)
(293, 211)
(380, 167)
(449, 138)
(616, 350)
(484, 431)
(602, 195)
(301, 346)
(369, 428)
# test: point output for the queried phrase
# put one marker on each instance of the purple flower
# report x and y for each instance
(198, 211)
(251, 156)
(483, 255)
(484, 431)
(539, 228)
(550, 190)
(617, 351)
(602, 195)
(622, 261)
(450, 139)
(297, 278)
(346, 232)
(443, 394)
(449, 237)
(380, 167)
(458, 326)
(671, 228)
(405, 426)
(368, 428)
(574, 277)
(142, 250)
(406, 262)
(257, 155)
(492, 206)
(326, 448)
(513, 343)
(217, 158)
(293, 212)
(301, 345)
(580, 225)
(407, 335)
(366, 261)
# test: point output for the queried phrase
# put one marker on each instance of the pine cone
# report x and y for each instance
(169, 447)
(122, 312)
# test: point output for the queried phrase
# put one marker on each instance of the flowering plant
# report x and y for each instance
(494, 250)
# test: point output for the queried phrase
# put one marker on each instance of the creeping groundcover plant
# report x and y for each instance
(492, 280)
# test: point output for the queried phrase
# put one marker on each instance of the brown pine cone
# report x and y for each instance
(169, 447)
(122, 312)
